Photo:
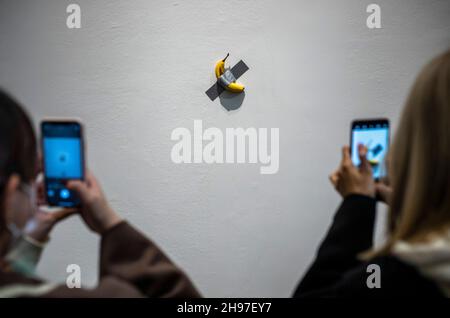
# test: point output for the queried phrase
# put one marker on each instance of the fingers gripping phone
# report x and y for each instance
(63, 160)
(374, 134)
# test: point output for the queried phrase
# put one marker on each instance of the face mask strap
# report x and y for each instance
(29, 191)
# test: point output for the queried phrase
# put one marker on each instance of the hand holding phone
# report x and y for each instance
(66, 181)
(63, 155)
(95, 211)
(349, 179)
(374, 135)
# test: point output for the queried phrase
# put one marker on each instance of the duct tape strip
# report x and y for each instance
(214, 91)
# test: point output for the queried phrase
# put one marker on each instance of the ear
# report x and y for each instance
(12, 185)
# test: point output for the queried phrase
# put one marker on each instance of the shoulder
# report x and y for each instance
(17, 285)
(387, 276)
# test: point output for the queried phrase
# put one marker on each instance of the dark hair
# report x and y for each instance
(18, 146)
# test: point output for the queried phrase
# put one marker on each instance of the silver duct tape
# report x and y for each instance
(238, 70)
(226, 79)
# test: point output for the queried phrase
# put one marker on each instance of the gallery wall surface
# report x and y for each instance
(137, 70)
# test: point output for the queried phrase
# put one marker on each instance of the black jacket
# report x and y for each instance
(336, 271)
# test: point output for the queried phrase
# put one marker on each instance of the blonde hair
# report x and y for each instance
(419, 161)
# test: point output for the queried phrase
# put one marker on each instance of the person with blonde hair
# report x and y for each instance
(415, 259)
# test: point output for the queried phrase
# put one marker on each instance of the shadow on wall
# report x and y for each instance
(231, 101)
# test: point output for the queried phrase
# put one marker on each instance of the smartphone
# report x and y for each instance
(63, 159)
(374, 134)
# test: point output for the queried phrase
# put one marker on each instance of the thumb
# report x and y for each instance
(54, 215)
(346, 158)
(362, 153)
(63, 213)
(334, 178)
(79, 187)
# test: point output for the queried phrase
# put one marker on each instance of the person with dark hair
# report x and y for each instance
(131, 265)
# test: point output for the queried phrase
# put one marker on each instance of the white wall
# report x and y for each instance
(138, 69)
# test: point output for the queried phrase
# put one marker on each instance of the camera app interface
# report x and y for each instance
(62, 161)
(376, 138)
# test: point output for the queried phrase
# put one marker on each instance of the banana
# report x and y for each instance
(235, 87)
(226, 79)
(220, 67)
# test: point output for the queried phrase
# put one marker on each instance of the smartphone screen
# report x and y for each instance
(374, 134)
(63, 155)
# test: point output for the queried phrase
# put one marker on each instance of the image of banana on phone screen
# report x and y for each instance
(374, 135)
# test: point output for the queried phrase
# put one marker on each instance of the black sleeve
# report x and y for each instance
(395, 278)
(350, 234)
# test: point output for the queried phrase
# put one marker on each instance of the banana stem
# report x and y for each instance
(226, 57)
